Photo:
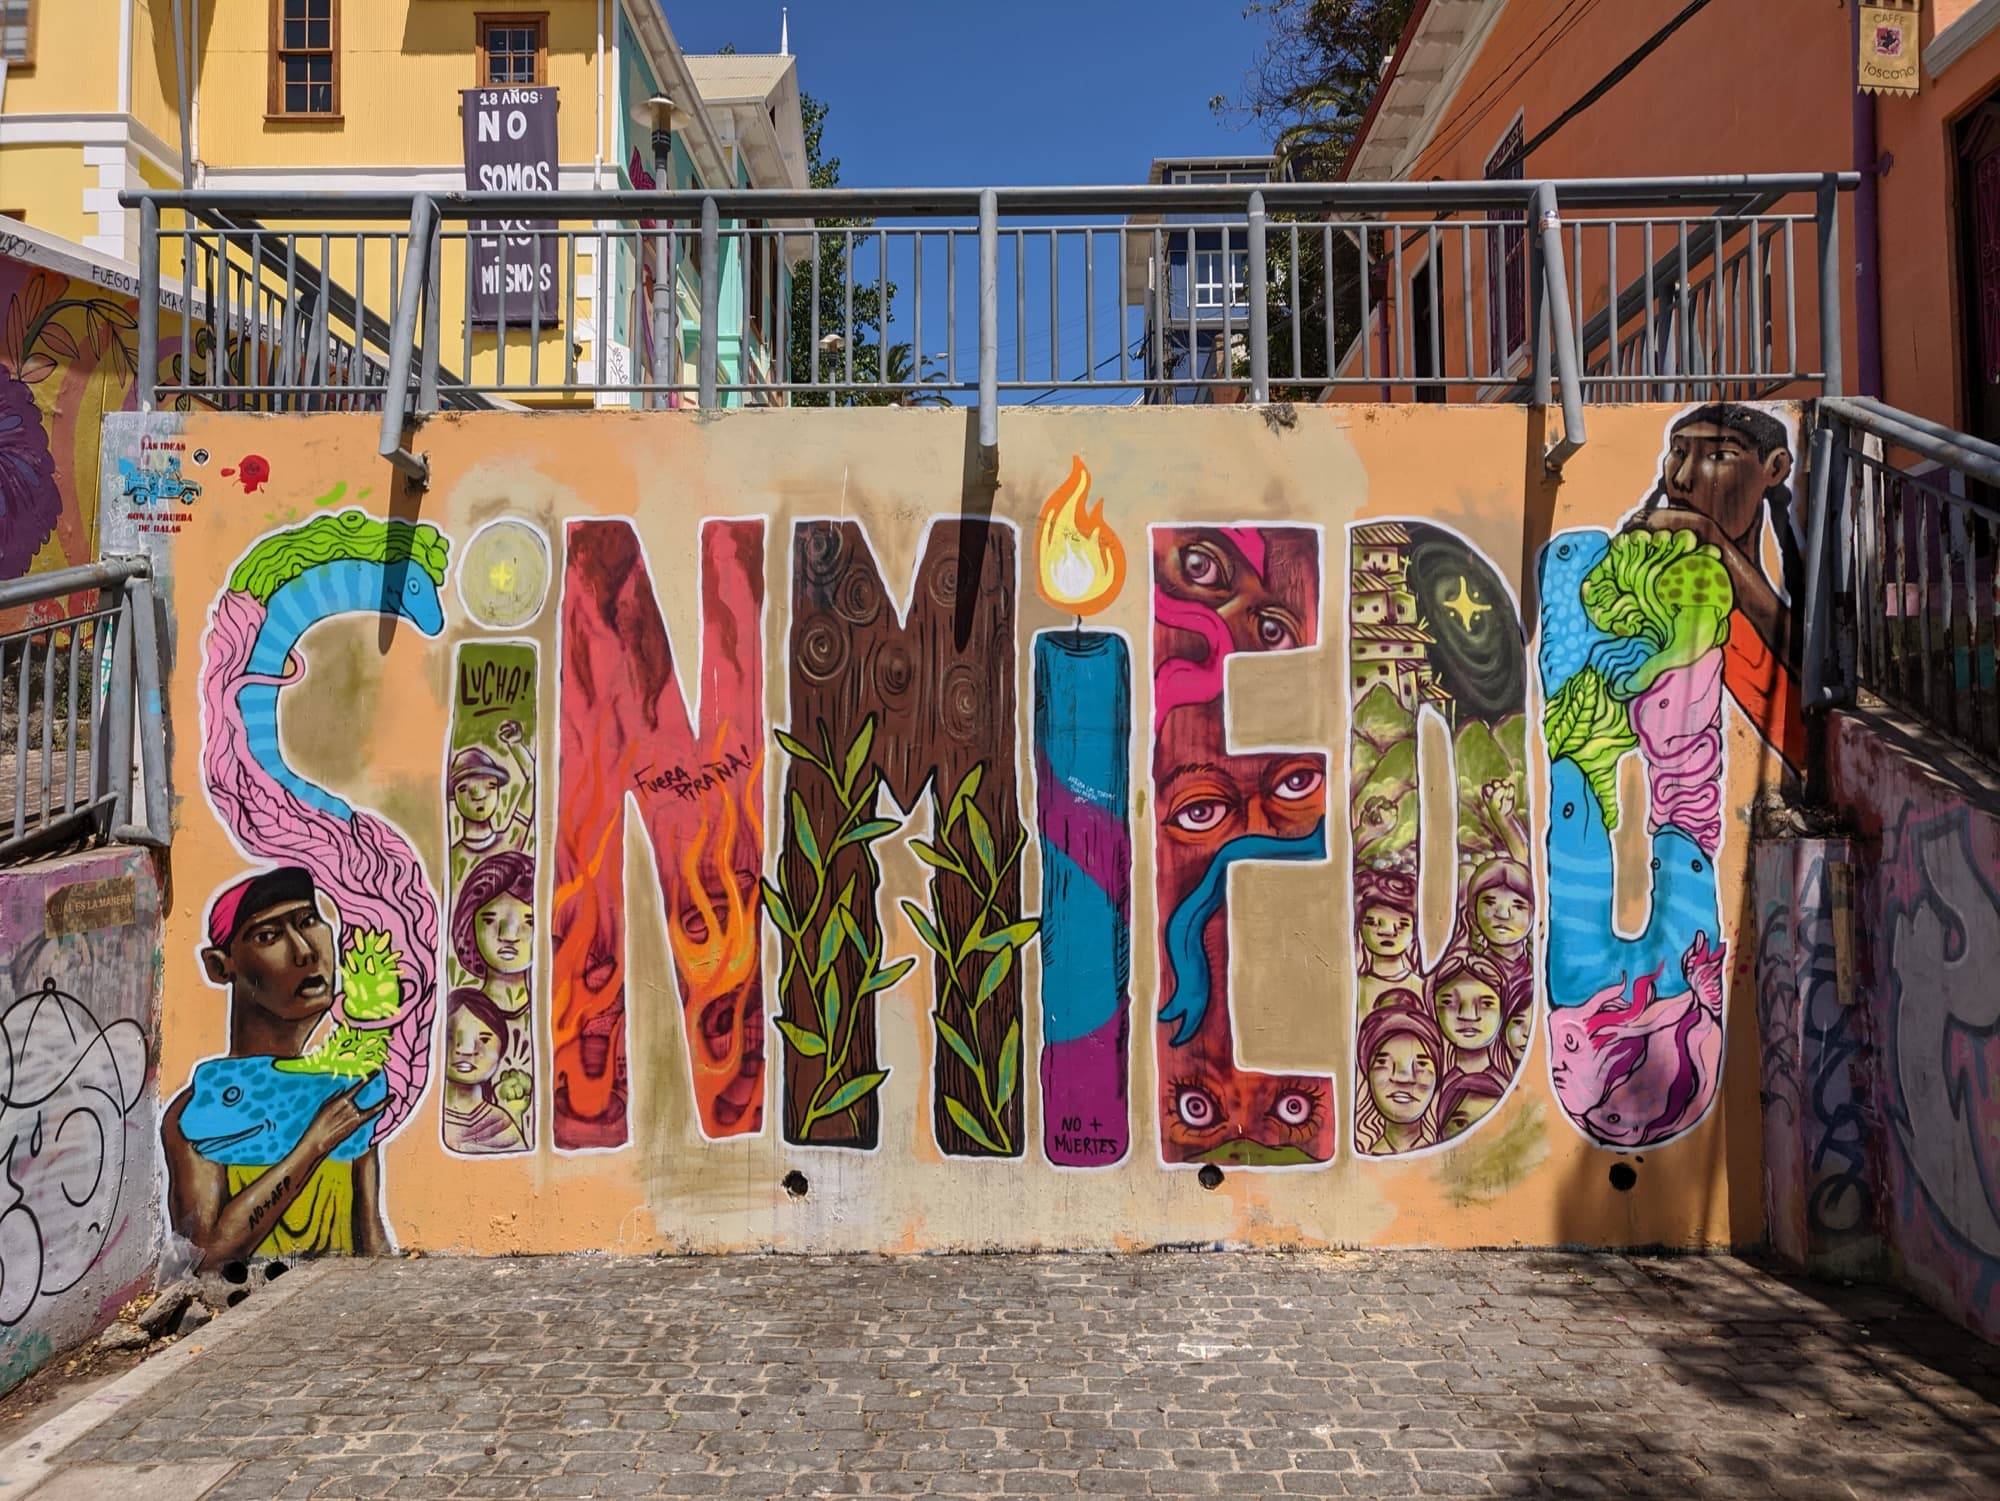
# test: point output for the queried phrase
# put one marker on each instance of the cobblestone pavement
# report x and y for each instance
(1163, 1375)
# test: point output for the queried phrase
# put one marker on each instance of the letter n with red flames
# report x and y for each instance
(697, 784)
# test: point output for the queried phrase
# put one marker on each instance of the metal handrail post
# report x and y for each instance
(1260, 313)
(711, 303)
(403, 340)
(1817, 683)
(1540, 388)
(1561, 333)
(427, 378)
(116, 768)
(989, 329)
(151, 726)
(1832, 354)
(662, 352)
(149, 303)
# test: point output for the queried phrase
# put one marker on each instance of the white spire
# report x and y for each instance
(784, 31)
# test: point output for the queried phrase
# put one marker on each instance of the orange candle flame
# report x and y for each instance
(1082, 560)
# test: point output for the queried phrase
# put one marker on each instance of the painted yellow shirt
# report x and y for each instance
(320, 1219)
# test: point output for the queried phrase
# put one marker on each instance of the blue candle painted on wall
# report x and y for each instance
(1083, 732)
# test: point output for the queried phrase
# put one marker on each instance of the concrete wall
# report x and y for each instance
(79, 1115)
(739, 831)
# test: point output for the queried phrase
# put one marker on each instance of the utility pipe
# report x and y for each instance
(1867, 233)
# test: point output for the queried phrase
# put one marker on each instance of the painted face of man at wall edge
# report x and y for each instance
(280, 961)
(1717, 471)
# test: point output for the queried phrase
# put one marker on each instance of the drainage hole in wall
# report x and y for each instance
(796, 1185)
(235, 1271)
(1623, 1176)
(273, 1270)
(1210, 1176)
(237, 1297)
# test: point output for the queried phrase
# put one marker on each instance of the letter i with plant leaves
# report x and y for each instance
(976, 930)
(831, 941)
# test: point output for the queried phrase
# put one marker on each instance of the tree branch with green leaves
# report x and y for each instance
(976, 961)
(817, 925)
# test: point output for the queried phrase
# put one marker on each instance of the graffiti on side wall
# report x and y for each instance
(1433, 630)
(1217, 591)
(888, 701)
(328, 954)
(695, 774)
(71, 1083)
(1940, 916)
(490, 842)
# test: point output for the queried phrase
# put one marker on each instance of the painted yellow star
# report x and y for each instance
(502, 575)
(1464, 606)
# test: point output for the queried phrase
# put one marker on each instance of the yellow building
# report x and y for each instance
(342, 96)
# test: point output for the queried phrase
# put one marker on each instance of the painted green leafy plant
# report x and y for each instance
(989, 947)
(370, 991)
(820, 925)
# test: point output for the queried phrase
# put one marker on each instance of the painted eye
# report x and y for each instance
(233, 1095)
(1274, 633)
(1197, 1108)
(1294, 1107)
(1569, 810)
(1201, 566)
(1200, 817)
(1299, 785)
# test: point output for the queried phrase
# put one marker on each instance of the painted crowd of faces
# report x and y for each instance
(1434, 632)
(489, 1059)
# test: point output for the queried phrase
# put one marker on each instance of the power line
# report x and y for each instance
(1609, 81)
(1566, 21)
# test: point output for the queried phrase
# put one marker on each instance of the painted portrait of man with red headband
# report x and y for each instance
(270, 1149)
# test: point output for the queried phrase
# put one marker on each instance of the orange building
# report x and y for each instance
(1595, 88)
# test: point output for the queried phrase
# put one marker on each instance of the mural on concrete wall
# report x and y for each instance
(1433, 630)
(695, 774)
(79, 966)
(899, 701)
(68, 353)
(490, 842)
(1083, 775)
(1216, 591)
(611, 659)
(273, 1147)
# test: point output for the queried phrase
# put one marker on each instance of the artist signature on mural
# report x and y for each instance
(688, 783)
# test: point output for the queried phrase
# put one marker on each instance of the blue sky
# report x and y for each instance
(947, 93)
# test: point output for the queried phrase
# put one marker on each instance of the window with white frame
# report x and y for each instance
(1209, 289)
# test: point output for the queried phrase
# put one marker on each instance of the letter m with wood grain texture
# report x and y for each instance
(695, 775)
(894, 702)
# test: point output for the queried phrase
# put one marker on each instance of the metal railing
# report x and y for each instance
(1160, 293)
(1722, 307)
(78, 696)
(1902, 602)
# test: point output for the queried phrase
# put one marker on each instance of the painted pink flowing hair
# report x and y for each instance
(363, 863)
